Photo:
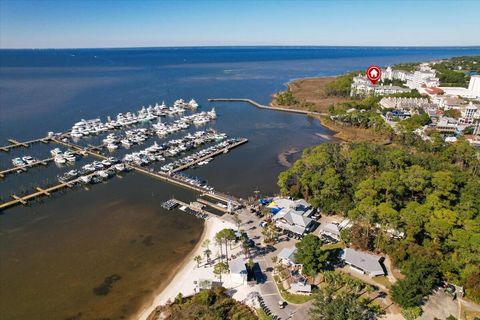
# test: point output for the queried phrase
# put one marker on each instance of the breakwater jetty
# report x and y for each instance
(262, 106)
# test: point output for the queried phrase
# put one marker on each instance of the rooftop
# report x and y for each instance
(367, 262)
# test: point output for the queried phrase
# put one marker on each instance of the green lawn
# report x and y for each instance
(262, 315)
(383, 281)
(290, 297)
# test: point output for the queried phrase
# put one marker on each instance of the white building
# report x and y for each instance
(472, 92)
(474, 84)
(363, 87)
(391, 74)
(406, 104)
(470, 113)
(238, 270)
(426, 77)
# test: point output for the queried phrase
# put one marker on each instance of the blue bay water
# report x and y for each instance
(54, 252)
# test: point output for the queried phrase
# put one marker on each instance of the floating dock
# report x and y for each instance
(15, 144)
(210, 155)
(262, 106)
(90, 151)
(24, 168)
(194, 208)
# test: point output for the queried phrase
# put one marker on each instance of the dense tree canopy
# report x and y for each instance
(331, 305)
(430, 193)
(208, 304)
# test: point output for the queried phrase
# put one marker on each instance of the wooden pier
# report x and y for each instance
(88, 151)
(213, 205)
(181, 203)
(262, 106)
(15, 144)
(210, 155)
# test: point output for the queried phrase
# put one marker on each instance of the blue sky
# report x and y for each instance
(124, 23)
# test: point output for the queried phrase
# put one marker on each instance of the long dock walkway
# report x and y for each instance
(24, 168)
(210, 155)
(262, 106)
(15, 144)
(213, 205)
(90, 151)
(40, 192)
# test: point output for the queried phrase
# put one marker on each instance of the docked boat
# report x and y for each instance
(59, 159)
(55, 152)
(29, 160)
(18, 162)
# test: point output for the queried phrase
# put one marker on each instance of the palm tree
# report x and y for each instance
(207, 254)
(206, 243)
(220, 268)
(219, 242)
(237, 220)
(197, 259)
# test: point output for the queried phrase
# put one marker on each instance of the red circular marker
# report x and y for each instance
(374, 73)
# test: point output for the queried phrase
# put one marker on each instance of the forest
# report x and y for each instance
(418, 202)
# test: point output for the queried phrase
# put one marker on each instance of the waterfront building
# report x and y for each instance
(292, 215)
(361, 86)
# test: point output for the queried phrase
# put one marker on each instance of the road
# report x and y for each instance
(268, 289)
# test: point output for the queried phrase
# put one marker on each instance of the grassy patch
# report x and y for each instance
(333, 246)
(383, 281)
(262, 315)
(290, 297)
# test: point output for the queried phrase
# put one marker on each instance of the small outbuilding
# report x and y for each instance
(238, 270)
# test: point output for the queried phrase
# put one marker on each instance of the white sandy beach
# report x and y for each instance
(188, 272)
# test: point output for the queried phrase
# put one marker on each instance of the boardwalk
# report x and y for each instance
(261, 106)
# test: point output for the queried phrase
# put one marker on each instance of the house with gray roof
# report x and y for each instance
(301, 287)
(238, 270)
(287, 256)
(363, 262)
(289, 220)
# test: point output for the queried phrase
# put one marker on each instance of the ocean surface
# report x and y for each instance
(102, 252)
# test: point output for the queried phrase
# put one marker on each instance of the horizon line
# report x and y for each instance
(247, 46)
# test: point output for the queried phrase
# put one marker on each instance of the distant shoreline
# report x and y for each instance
(310, 92)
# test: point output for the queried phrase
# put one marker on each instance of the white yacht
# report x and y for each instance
(59, 159)
(193, 104)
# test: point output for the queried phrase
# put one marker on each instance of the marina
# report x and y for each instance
(106, 167)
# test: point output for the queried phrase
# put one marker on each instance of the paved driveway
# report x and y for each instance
(268, 289)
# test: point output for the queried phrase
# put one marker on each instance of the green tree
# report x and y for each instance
(219, 269)
(342, 306)
(197, 259)
(412, 313)
(310, 254)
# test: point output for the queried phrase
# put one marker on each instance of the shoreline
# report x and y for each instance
(181, 274)
(309, 92)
